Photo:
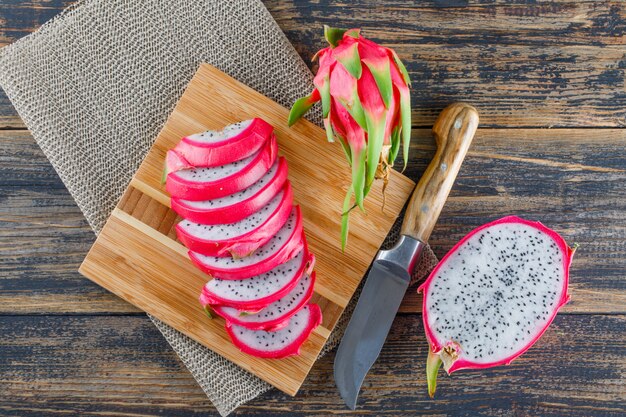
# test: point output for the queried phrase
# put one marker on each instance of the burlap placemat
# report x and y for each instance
(96, 84)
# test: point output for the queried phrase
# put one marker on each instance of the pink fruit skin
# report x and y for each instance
(198, 191)
(315, 319)
(244, 244)
(290, 248)
(236, 212)
(175, 162)
(462, 363)
(306, 268)
(270, 325)
(201, 154)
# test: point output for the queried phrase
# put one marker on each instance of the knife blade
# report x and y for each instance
(380, 299)
(391, 270)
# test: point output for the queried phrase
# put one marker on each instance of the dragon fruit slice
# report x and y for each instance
(197, 184)
(276, 315)
(255, 293)
(284, 245)
(281, 343)
(215, 148)
(238, 206)
(241, 238)
(493, 295)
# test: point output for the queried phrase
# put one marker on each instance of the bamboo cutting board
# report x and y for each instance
(138, 258)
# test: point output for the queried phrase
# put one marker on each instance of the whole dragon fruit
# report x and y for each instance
(366, 105)
(493, 295)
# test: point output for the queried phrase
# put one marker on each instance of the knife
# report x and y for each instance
(391, 270)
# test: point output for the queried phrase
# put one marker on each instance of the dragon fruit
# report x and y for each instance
(281, 343)
(206, 183)
(366, 106)
(215, 148)
(276, 315)
(238, 206)
(493, 295)
(241, 238)
(253, 294)
(284, 245)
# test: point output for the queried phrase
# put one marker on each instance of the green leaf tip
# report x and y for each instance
(382, 76)
(376, 139)
(330, 133)
(209, 312)
(353, 33)
(351, 60)
(333, 35)
(405, 115)
(433, 363)
(400, 64)
(301, 106)
(358, 176)
(395, 145)
(164, 174)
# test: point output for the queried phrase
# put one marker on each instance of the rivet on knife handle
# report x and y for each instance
(453, 130)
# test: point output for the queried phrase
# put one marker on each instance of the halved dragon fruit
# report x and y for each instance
(284, 245)
(238, 206)
(281, 343)
(493, 295)
(276, 315)
(215, 148)
(206, 183)
(255, 293)
(241, 238)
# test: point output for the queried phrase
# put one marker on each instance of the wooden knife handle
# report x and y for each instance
(454, 131)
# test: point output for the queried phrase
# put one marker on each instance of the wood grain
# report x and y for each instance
(122, 366)
(571, 179)
(521, 63)
(136, 258)
(453, 132)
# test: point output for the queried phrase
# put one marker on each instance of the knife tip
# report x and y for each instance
(350, 403)
(348, 392)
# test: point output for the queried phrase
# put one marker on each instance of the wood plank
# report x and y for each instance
(559, 64)
(122, 366)
(43, 238)
(522, 65)
(568, 178)
(20, 18)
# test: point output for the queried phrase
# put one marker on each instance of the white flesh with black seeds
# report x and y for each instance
(215, 173)
(278, 308)
(273, 341)
(216, 136)
(259, 286)
(259, 255)
(233, 199)
(496, 293)
(220, 232)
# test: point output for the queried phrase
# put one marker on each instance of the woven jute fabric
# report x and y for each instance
(96, 84)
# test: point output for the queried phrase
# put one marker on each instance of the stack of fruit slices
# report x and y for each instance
(241, 228)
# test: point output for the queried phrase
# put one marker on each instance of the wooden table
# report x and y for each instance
(548, 80)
